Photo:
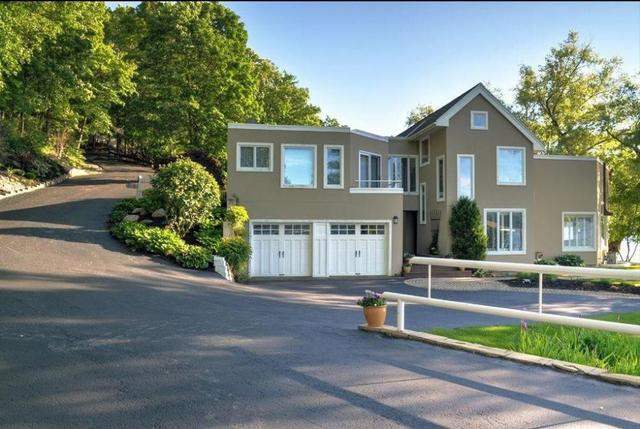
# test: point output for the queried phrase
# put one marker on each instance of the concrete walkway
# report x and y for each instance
(92, 335)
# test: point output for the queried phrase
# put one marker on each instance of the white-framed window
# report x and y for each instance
(254, 157)
(373, 229)
(479, 120)
(425, 151)
(333, 167)
(298, 166)
(369, 170)
(511, 165)
(578, 231)
(266, 229)
(440, 178)
(343, 229)
(403, 171)
(466, 176)
(297, 229)
(506, 230)
(423, 203)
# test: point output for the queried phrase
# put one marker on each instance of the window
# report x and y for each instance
(425, 151)
(266, 229)
(578, 231)
(254, 157)
(511, 165)
(371, 229)
(403, 171)
(369, 170)
(297, 229)
(479, 120)
(341, 229)
(333, 167)
(298, 166)
(466, 176)
(506, 231)
(423, 203)
(440, 178)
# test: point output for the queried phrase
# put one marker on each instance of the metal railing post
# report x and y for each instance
(540, 293)
(429, 281)
(139, 187)
(400, 315)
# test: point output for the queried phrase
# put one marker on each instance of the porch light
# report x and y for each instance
(395, 220)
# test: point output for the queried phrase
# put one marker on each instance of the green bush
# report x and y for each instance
(570, 260)
(30, 175)
(133, 234)
(122, 208)
(192, 256)
(151, 200)
(545, 262)
(209, 235)
(468, 238)
(163, 241)
(236, 251)
(189, 194)
(237, 216)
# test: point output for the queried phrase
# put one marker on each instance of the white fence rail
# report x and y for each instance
(599, 273)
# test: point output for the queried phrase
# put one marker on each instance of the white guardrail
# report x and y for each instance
(597, 273)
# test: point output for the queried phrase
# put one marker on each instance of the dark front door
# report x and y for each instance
(410, 226)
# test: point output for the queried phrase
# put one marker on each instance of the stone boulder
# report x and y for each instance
(131, 218)
(159, 213)
(139, 211)
(147, 221)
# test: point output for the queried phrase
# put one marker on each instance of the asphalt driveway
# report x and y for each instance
(92, 335)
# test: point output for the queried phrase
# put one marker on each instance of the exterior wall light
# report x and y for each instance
(395, 220)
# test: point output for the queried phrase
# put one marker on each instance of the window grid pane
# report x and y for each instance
(266, 229)
(372, 229)
(505, 231)
(343, 229)
(578, 231)
(262, 157)
(297, 229)
(246, 156)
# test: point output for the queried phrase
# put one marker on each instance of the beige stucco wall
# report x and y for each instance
(261, 194)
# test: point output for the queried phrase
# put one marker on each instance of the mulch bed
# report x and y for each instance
(573, 284)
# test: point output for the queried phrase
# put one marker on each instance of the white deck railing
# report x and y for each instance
(597, 273)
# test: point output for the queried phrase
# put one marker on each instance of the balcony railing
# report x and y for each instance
(384, 183)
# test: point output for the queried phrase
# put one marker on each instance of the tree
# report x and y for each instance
(418, 113)
(467, 234)
(329, 121)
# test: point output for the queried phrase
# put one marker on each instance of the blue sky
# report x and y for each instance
(369, 64)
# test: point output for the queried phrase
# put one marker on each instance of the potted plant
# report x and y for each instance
(406, 265)
(374, 307)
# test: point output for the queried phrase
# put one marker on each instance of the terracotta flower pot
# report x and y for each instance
(375, 316)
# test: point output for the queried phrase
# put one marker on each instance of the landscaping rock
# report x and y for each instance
(139, 211)
(147, 221)
(159, 213)
(131, 218)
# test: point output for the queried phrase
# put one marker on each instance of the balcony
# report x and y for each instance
(381, 186)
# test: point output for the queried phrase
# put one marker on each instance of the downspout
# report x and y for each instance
(605, 190)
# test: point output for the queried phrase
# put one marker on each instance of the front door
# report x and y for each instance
(409, 231)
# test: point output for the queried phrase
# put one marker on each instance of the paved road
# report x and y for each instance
(94, 336)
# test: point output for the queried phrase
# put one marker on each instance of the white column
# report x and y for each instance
(540, 293)
(400, 315)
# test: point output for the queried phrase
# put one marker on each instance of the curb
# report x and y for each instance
(574, 368)
(46, 184)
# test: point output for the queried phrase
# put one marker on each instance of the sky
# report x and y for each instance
(369, 64)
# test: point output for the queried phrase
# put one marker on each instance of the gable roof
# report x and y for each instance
(441, 116)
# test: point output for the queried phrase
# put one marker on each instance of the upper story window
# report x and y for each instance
(254, 157)
(578, 231)
(466, 176)
(333, 167)
(425, 151)
(440, 178)
(369, 176)
(298, 166)
(403, 172)
(511, 165)
(506, 231)
(479, 120)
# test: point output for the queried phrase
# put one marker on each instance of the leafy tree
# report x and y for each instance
(419, 112)
(468, 238)
(329, 121)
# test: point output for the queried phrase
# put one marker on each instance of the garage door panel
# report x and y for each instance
(357, 249)
(281, 250)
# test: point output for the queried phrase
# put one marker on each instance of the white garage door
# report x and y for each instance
(357, 249)
(281, 250)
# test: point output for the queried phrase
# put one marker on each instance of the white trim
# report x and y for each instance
(567, 158)
(315, 165)
(596, 237)
(376, 191)
(444, 178)
(324, 170)
(486, 119)
(239, 145)
(473, 173)
(422, 200)
(417, 170)
(370, 135)
(238, 126)
(480, 89)
(428, 139)
(524, 231)
(388, 223)
(524, 166)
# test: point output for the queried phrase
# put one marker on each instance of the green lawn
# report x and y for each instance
(618, 353)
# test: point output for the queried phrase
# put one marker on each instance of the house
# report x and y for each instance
(335, 201)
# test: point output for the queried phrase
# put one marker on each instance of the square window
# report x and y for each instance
(505, 229)
(298, 166)
(578, 231)
(479, 120)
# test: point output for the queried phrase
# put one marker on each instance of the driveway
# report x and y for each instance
(92, 335)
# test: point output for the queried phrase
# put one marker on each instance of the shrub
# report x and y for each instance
(192, 256)
(468, 238)
(30, 175)
(209, 235)
(237, 216)
(236, 251)
(122, 208)
(133, 234)
(151, 200)
(163, 241)
(570, 260)
(188, 193)
(545, 262)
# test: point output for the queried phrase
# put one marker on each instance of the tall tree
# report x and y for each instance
(419, 112)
